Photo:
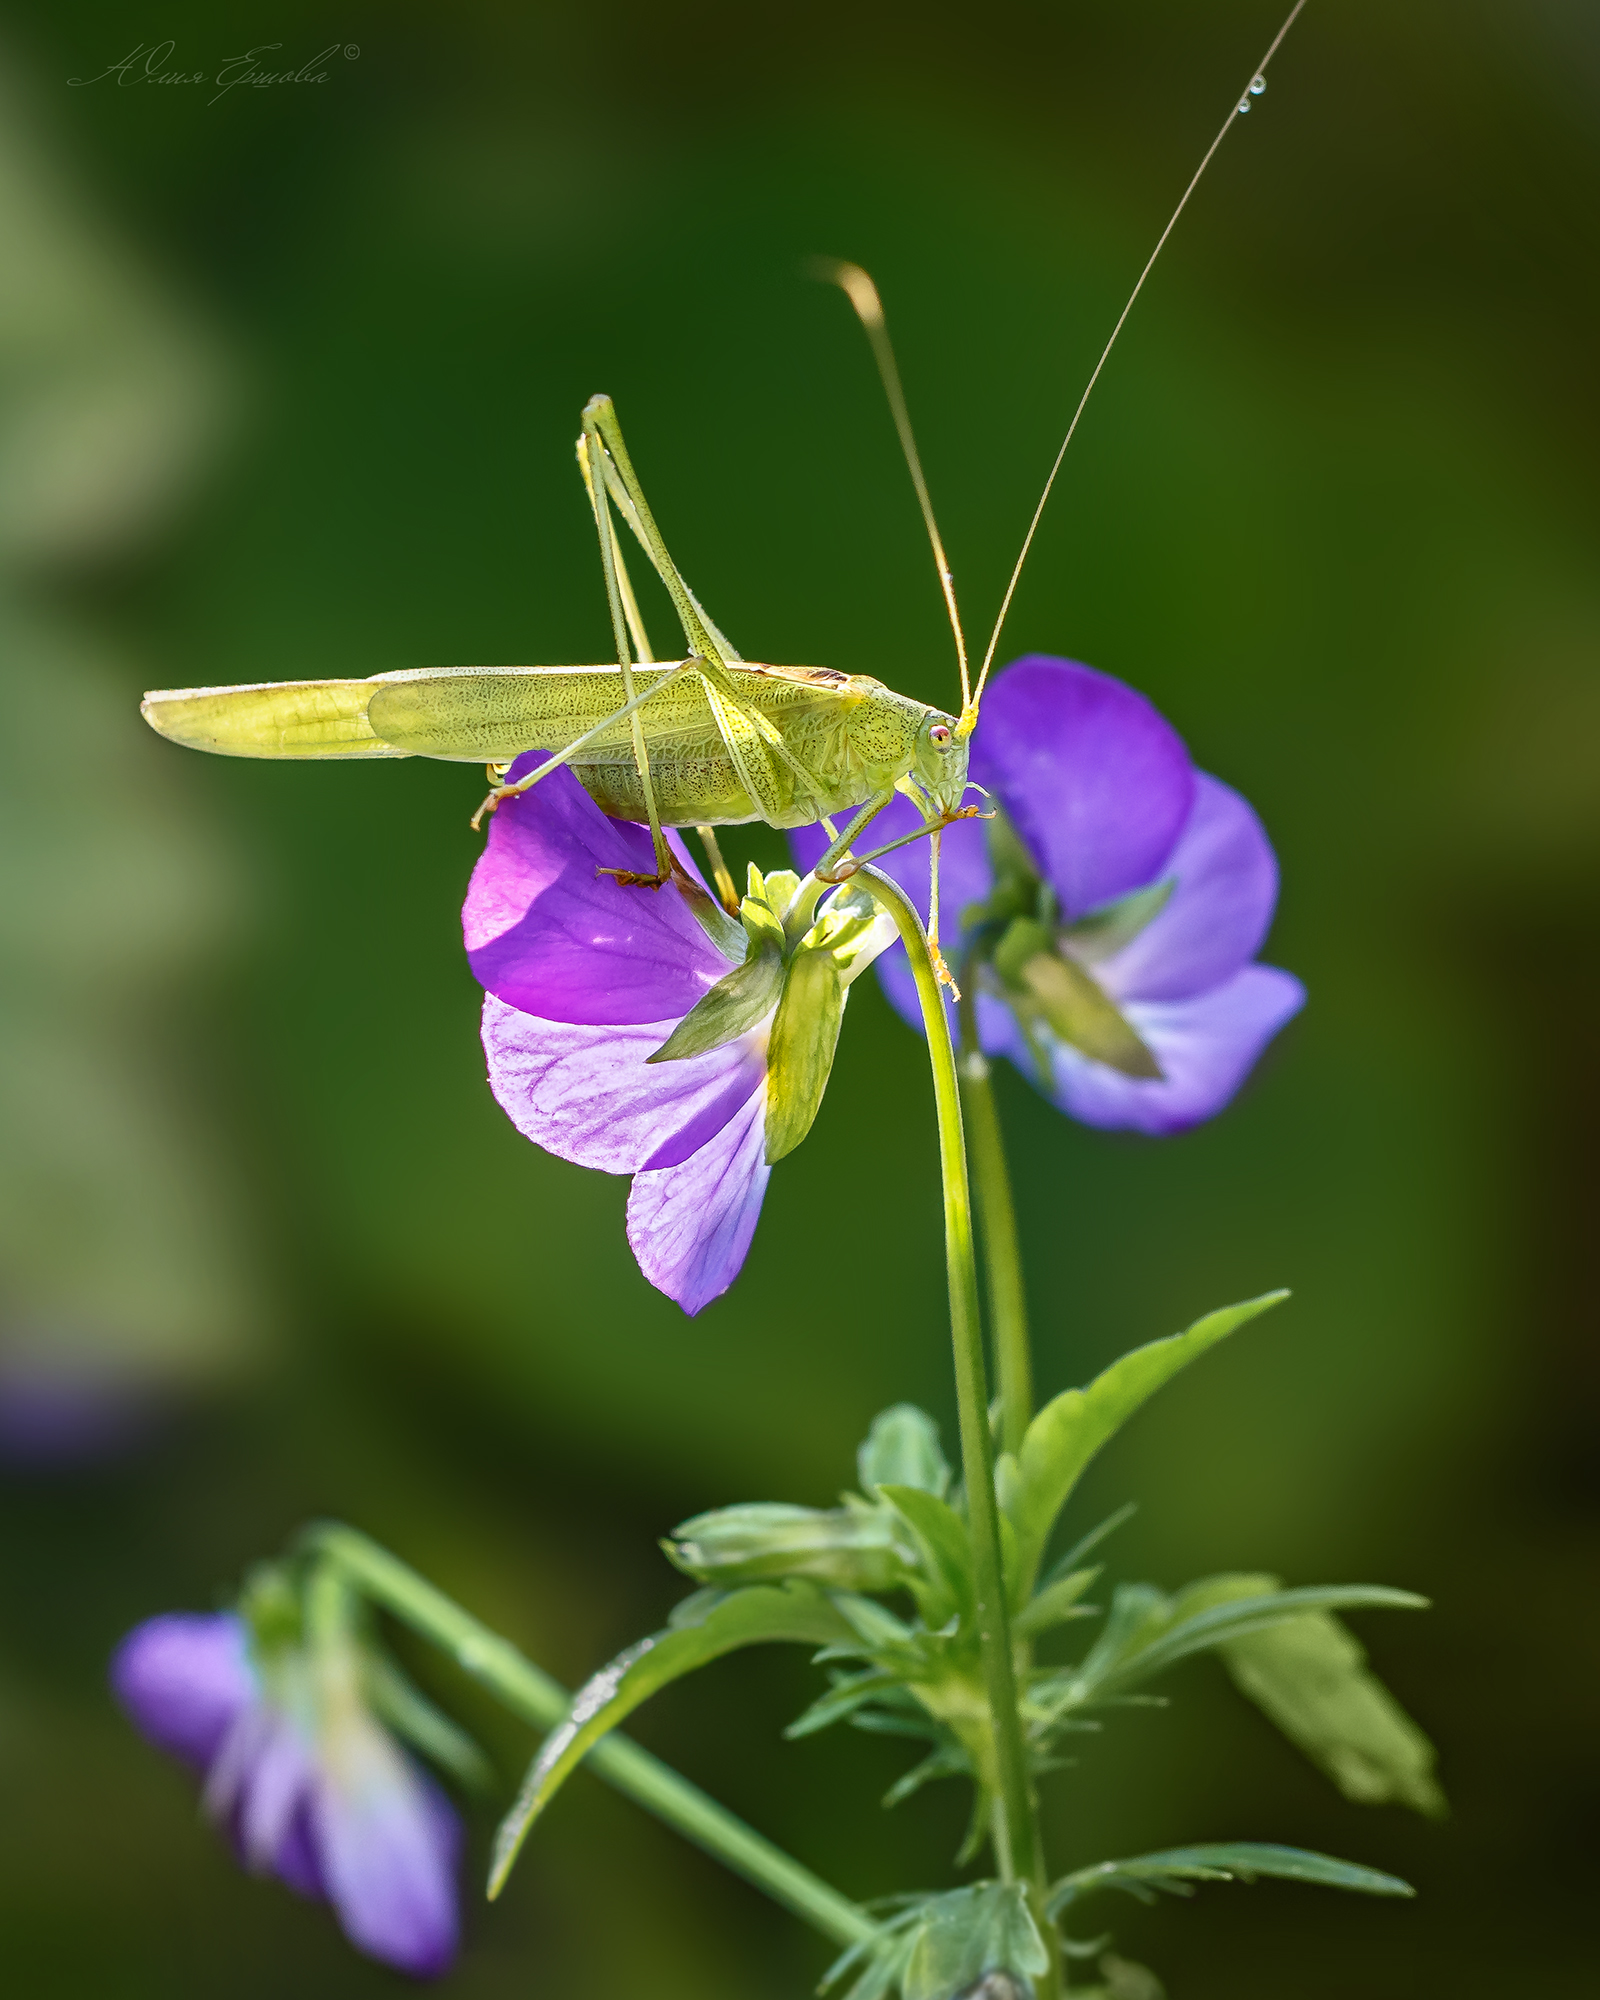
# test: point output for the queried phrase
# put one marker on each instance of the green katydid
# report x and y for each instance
(707, 740)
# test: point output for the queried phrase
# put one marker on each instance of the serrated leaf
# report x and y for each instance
(1175, 1868)
(854, 1548)
(1310, 1677)
(1146, 1632)
(756, 1616)
(987, 1928)
(902, 1449)
(1247, 1615)
(1068, 1431)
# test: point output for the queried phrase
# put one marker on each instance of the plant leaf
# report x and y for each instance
(1310, 1677)
(902, 1449)
(1146, 1632)
(1055, 1604)
(946, 1549)
(1246, 1615)
(961, 1936)
(1068, 1431)
(1223, 1861)
(762, 1613)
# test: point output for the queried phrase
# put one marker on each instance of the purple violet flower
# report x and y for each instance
(308, 1785)
(1119, 899)
(585, 979)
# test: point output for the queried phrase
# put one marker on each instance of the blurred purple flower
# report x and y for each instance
(1142, 887)
(308, 1785)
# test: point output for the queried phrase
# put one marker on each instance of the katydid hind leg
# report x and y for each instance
(750, 738)
(590, 460)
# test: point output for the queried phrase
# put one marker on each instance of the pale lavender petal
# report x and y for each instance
(184, 1679)
(1206, 1046)
(588, 1094)
(1219, 913)
(263, 1775)
(1097, 782)
(550, 936)
(690, 1226)
(387, 1843)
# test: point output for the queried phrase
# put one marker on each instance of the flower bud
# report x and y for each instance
(853, 1548)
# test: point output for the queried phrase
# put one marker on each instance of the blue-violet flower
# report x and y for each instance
(1110, 910)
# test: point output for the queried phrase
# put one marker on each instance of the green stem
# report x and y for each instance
(531, 1693)
(997, 1218)
(1018, 1847)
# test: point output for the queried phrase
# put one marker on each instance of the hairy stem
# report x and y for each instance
(1017, 1843)
(997, 1219)
(531, 1693)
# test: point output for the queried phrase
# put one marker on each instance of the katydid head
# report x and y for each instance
(939, 762)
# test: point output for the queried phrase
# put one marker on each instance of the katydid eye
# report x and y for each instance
(939, 736)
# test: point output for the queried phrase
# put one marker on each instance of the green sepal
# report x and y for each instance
(735, 1004)
(902, 1449)
(1310, 1677)
(805, 1034)
(1068, 1000)
(855, 1548)
(1175, 1868)
(1105, 931)
(724, 931)
(1068, 1431)
(271, 1608)
(766, 1612)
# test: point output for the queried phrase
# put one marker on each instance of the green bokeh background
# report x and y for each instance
(1333, 509)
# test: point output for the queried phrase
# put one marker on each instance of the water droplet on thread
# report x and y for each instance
(1257, 85)
(1244, 106)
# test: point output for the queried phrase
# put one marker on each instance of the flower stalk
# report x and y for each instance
(529, 1692)
(1017, 1844)
(997, 1222)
